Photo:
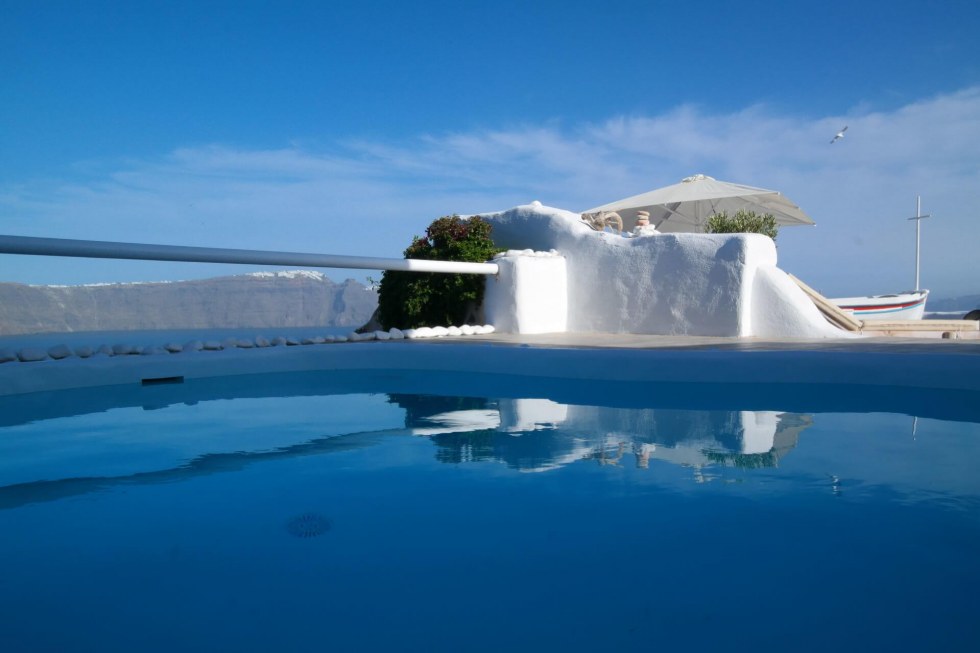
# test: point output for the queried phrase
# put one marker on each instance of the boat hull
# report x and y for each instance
(900, 306)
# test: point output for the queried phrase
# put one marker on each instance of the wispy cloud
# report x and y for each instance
(369, 198)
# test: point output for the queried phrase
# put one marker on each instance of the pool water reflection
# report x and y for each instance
(396, 512)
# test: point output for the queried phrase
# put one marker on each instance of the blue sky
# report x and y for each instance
(347, 127)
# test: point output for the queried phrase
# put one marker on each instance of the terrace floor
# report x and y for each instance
(881, 344)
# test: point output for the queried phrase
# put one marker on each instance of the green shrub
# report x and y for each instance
(408, 300)
(743, 222)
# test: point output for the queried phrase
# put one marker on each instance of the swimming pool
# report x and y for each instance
(357, 510)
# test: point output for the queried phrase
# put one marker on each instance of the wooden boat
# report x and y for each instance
(908, 305)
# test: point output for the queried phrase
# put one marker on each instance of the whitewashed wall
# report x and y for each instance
(529, 294)
(668, 284)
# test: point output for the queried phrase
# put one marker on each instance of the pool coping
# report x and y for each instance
(901, 362)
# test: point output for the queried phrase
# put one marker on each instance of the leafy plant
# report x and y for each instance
(409, 300)
(747, 222)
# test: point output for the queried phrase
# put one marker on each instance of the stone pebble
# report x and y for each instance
(59, 352)
(31, 355)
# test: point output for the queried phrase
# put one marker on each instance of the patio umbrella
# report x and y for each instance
(685, 207)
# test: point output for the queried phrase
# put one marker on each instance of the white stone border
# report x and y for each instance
(61, 351)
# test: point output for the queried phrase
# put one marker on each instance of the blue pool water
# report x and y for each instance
(396, 512)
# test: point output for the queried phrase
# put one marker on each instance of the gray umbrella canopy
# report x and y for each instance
(685, 207)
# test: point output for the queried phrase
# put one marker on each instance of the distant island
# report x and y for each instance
(964, 304)
(260, 299)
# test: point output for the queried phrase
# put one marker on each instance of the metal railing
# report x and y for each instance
(139, 251)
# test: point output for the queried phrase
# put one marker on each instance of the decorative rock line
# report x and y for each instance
(61, 352)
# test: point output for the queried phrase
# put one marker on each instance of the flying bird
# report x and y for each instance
(839, 135)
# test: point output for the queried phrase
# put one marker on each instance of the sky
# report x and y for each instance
(347, 127)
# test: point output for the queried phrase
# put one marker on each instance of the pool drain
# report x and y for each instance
(308, 525)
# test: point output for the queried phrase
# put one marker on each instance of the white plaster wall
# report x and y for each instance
(529, 294)
(780, 309)
(758, 431)
(667, 284)
(522, 415)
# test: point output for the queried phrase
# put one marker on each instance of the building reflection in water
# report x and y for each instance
(536, 435)
(530, 435)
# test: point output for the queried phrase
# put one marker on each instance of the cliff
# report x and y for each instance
(261, 299)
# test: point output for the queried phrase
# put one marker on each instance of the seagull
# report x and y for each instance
(839, 135)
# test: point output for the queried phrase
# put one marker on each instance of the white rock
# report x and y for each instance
(59, 351)
(245, 344)
(454, 331)
(7, 355)
(423, 332)
(440, 331)
(105, 350)
(31, 355)
(467, 330)
(382, 335)
(330, 338)
(341, 339)
(153, 350)
(278, 342)
(193, 345)
(230, 343)
(124, 350)
(262, 342)
(291, 342)
(396, 334)
(84, 352)
(212, 345)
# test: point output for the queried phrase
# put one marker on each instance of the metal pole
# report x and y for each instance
(918, 222)
(918, 233)
(145, 252)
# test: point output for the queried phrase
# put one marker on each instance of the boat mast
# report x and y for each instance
(918, 229)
